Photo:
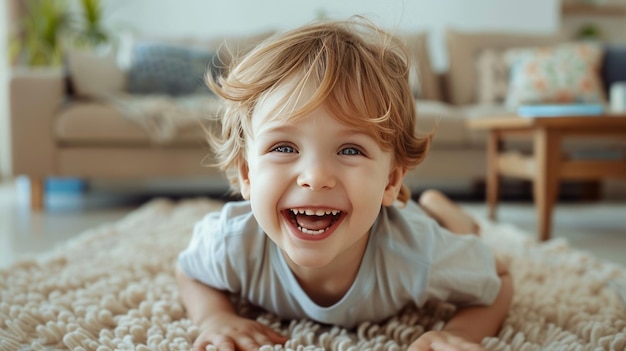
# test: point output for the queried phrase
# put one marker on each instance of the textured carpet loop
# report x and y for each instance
(9, 335)
(9, 344)
(619, 342)
(80, 338)
(518, 341)
(106, 339)
(155, 339)
(27, 320)
(495, 344)
(50, 333)
(14, 328)
(115, 306)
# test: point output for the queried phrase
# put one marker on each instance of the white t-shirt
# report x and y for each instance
(409, 259)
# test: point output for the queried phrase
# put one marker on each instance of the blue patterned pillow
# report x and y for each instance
(166, 69)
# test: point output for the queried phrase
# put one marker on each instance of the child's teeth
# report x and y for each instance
(310, 212)
(312, 232)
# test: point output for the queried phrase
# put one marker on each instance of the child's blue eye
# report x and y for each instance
(284, 149)
(350, 151)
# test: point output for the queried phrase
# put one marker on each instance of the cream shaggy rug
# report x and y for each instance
(112, 288)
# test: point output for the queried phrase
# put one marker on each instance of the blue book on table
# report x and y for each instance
(558, 110)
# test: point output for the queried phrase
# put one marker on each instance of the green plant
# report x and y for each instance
(90, 30)
(39, 40)
(48, 28)
(589, 31)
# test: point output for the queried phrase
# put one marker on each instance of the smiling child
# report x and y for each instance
(318, 133)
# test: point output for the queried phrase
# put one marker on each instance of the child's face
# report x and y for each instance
(316, 185)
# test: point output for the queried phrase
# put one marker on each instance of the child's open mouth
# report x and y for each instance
(313, 221)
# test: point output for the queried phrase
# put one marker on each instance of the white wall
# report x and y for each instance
(5, 146)
(198, 18)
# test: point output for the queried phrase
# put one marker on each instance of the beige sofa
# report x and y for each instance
(79, 135)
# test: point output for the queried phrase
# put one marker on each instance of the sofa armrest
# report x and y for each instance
(35, 96)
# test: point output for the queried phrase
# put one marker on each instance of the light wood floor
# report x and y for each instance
(597, 227)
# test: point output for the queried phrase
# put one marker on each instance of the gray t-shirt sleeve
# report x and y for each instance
(206, 259)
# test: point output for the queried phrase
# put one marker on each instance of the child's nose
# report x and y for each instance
(317, 176)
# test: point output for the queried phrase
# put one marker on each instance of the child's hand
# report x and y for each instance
(443, 341)
(229, 332)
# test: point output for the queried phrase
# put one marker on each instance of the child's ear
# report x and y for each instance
(244, 180)
(396, 178)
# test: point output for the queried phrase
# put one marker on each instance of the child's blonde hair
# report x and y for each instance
(360, 74)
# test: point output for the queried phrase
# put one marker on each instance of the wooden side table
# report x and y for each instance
(546, 167)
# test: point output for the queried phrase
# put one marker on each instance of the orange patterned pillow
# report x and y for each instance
(566, 73)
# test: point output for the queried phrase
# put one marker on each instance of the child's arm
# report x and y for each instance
(469, 325)
(219, 324)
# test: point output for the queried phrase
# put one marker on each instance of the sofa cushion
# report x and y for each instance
(446, 120)
(492, 76)
(97, 123)
(463, 51)
(158, 68)
(103, 72)
(565, 73)
(95, 73)
(423, 78)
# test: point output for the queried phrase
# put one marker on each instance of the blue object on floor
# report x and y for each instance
(65, 185)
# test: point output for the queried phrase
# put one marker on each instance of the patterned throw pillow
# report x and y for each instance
(493, 76)
(566, 73)
(167, 69)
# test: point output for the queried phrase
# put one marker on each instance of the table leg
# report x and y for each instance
(547, 154)
(493, 178)
(37, 193)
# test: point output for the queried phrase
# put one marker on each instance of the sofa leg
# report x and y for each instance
(37, 193)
